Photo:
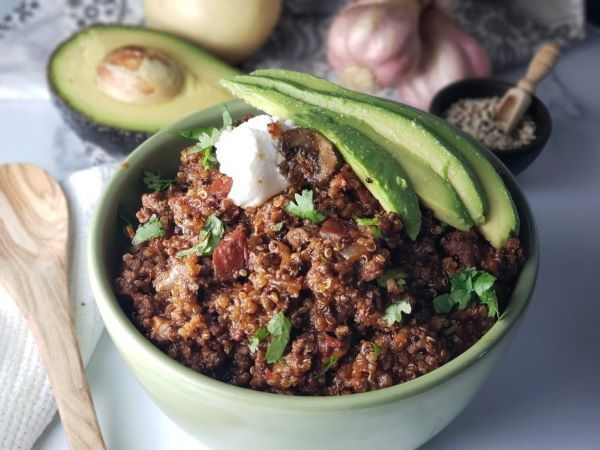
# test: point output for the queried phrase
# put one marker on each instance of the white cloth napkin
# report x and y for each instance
(26, 401)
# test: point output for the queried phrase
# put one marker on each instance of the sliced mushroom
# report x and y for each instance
(309, 158)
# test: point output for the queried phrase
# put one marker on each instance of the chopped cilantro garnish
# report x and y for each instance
(278, 226)
(151, 229)
(206, 140)
(209, 159)
(367, 221)
(155, 182)
(210, 235)
(443, 304)
(260, 335)
(376, 348)
(207, 137)
(393, 313)
(372, 223)
(330, 363)
(466, 284)
(279, 328)
(392, 274)
(227, 119)
(305, 207)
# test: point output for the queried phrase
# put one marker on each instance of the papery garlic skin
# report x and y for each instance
(372, 44)
(450, 55)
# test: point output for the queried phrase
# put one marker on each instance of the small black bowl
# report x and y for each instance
(516, 159)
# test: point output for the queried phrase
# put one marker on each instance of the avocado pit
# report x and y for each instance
(138, 75)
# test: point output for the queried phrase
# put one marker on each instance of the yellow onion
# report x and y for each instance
(231, 29)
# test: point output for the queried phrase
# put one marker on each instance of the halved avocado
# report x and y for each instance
(502, 220)
(115, 84)
(379, 171)
(398, 129)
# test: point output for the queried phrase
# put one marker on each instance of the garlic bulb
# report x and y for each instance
(450, 55)
(371, 44)
(404, 43)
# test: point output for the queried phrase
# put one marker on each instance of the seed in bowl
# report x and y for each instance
(476, 117)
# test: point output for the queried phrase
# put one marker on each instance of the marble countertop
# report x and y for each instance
(545, 392)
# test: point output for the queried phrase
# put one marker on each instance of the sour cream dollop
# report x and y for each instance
(248, 154)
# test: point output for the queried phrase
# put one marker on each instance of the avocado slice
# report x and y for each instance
(93, 76)
(502, 220)
(383, 176)
(399, 130)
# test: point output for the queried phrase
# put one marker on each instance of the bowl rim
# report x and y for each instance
(111, 310)
(538, 141)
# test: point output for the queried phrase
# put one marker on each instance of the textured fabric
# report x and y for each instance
(26, 402)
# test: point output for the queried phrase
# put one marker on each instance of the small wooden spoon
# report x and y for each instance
(515, 102)
(34, 222)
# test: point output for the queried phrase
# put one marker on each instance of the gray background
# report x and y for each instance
(546, 391)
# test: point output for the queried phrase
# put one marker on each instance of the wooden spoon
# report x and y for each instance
(515, 102)
(34, 223)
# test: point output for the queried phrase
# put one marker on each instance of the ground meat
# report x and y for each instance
(204, 310)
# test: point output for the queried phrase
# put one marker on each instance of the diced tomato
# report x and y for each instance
(230, 255)
(220, 187)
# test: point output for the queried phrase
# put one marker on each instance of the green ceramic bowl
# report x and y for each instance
(222, 416)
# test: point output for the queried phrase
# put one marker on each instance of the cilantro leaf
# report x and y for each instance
(278, 226)
(483, 283)
(489, 298)
(367, 221)
(466, 284)
(376, 348)
(372, 223)
(462, 297)
(207, 137)
(330, 363)
(305, 207)
(227, 119)
(260, 335)
(210, 235)
(194, 133)
(392, 274)
(155, 182)
(393, 313)
(279, 327)
(209, 159)
(206, 140)
(443, 304)
(151, 229)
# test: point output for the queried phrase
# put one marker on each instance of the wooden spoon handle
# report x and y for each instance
(540, 66)
(52, 328)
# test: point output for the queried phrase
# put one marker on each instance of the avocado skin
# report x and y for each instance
(116, 141)
(502, 220)
(388, 182)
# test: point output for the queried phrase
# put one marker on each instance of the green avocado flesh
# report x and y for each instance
(72, 77)
(435, 193)
(502, 220)
(383, 176)
(400, 130)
